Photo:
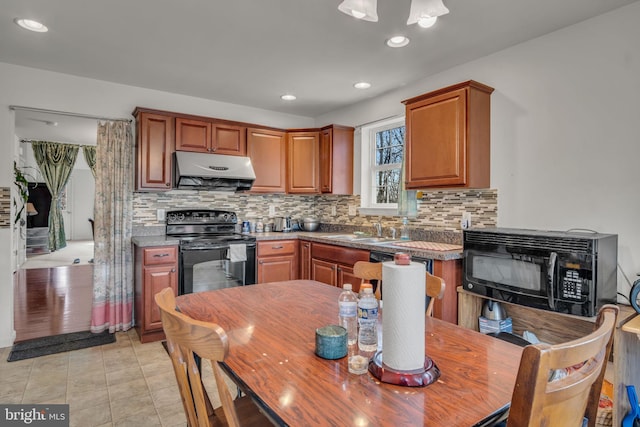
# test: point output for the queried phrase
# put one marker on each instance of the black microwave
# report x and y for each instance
(563, 271)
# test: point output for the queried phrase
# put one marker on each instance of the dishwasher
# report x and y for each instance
(384, 256)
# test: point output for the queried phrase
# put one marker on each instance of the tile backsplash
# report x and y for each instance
(437, 210)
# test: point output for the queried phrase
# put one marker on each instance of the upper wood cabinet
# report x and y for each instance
(303, 162)
(210, 137)
(193, 135)
(154, 148)
(448, 137)
(336, 160)
(267, 151)
(228, 139)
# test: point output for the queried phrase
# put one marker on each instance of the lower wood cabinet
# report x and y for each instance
(277, 260)
(156, 268)
(333, 265)
(451, 272)
(305, 260)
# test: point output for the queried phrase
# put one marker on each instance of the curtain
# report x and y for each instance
(89, 152)
(55, 161)
(112, 307)
(407, 203)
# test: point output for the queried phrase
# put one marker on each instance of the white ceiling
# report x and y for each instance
(249, 52)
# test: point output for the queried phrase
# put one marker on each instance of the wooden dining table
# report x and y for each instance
(271, 331)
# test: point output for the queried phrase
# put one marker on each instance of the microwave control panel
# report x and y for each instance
(574, 284)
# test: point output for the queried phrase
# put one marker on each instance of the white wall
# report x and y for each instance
(565, 146)
(42, 89)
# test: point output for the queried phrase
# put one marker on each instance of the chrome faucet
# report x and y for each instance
(378, 228)
(393, 232)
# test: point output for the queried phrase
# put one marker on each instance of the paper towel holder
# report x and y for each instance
(422, 377)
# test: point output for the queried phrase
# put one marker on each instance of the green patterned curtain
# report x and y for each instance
(89, 152)
(55, 161)
(112, 307)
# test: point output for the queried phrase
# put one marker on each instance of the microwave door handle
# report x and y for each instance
(553, 257)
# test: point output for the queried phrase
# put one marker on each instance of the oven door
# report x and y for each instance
(211, 268)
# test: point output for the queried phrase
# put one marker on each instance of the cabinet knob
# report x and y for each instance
(160, 255)
(168, 184)
(173, 270)
(260, 262)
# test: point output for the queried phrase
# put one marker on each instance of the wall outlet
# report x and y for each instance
(333, 210)
(160, 214)
(352, 210)
(465, 223)
(272, 210)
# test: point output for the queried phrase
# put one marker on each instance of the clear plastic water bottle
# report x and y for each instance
(348, 313)
(368, 322)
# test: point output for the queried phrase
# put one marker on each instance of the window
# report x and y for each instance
(382, 153)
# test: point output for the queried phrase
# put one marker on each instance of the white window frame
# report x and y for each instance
(368, 144)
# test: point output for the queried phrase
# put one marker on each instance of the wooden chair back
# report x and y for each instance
(435, 291)
(537, 401)
(186, 336)
(368, 271)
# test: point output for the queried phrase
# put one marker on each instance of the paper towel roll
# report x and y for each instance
(403, 315)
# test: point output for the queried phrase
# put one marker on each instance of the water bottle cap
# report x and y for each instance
(347, 287)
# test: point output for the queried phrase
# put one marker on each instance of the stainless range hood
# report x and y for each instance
(217, 172)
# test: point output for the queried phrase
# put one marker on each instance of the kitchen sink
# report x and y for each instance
(363, 239)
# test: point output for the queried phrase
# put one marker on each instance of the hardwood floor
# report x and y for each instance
(52, 301)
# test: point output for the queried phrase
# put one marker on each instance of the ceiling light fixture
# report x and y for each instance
(31, 25)
(426, 12)
(362, 85)
(398, 41)
(288, 97)
(423, 12)
(360, 9)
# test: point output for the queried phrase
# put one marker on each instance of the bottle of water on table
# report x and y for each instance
(348, 313)
(368, 322)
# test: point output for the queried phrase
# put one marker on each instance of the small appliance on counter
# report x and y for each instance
(494, 318)
(282, 224)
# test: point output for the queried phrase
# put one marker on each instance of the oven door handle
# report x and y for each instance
(553, 258)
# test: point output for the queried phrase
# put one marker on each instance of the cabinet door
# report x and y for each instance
(155, 146)
(193, 135)
(277, 269)
(345, 275)
(156, 279)
(326, 161)
(305, 260)
(336, 160)
(323, 271)
(303, 162)
(436, 141)
(266, 148)
(229, 139)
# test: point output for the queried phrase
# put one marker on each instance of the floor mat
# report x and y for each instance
(57, 344)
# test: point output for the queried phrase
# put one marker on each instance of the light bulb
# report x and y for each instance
(427, 21)
(357, 14)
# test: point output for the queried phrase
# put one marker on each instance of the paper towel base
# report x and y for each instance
(424, 376)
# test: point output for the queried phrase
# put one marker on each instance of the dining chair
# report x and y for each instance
(560, 384)
(186, 338)
(367, 271)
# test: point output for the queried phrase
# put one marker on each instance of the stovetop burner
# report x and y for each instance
(204, 228)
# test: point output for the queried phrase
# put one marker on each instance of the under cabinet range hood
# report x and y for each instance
(217, 172)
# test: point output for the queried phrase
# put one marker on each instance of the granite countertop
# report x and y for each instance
(320, 237)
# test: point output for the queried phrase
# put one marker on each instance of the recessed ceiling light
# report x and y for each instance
(398, 41)
(288, 97)
(362, 85)
(31, 25)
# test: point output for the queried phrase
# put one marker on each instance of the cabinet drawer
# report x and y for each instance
(339, 254)
(277, 247)
(160, 255)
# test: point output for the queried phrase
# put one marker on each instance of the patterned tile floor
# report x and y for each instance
(125, 383)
